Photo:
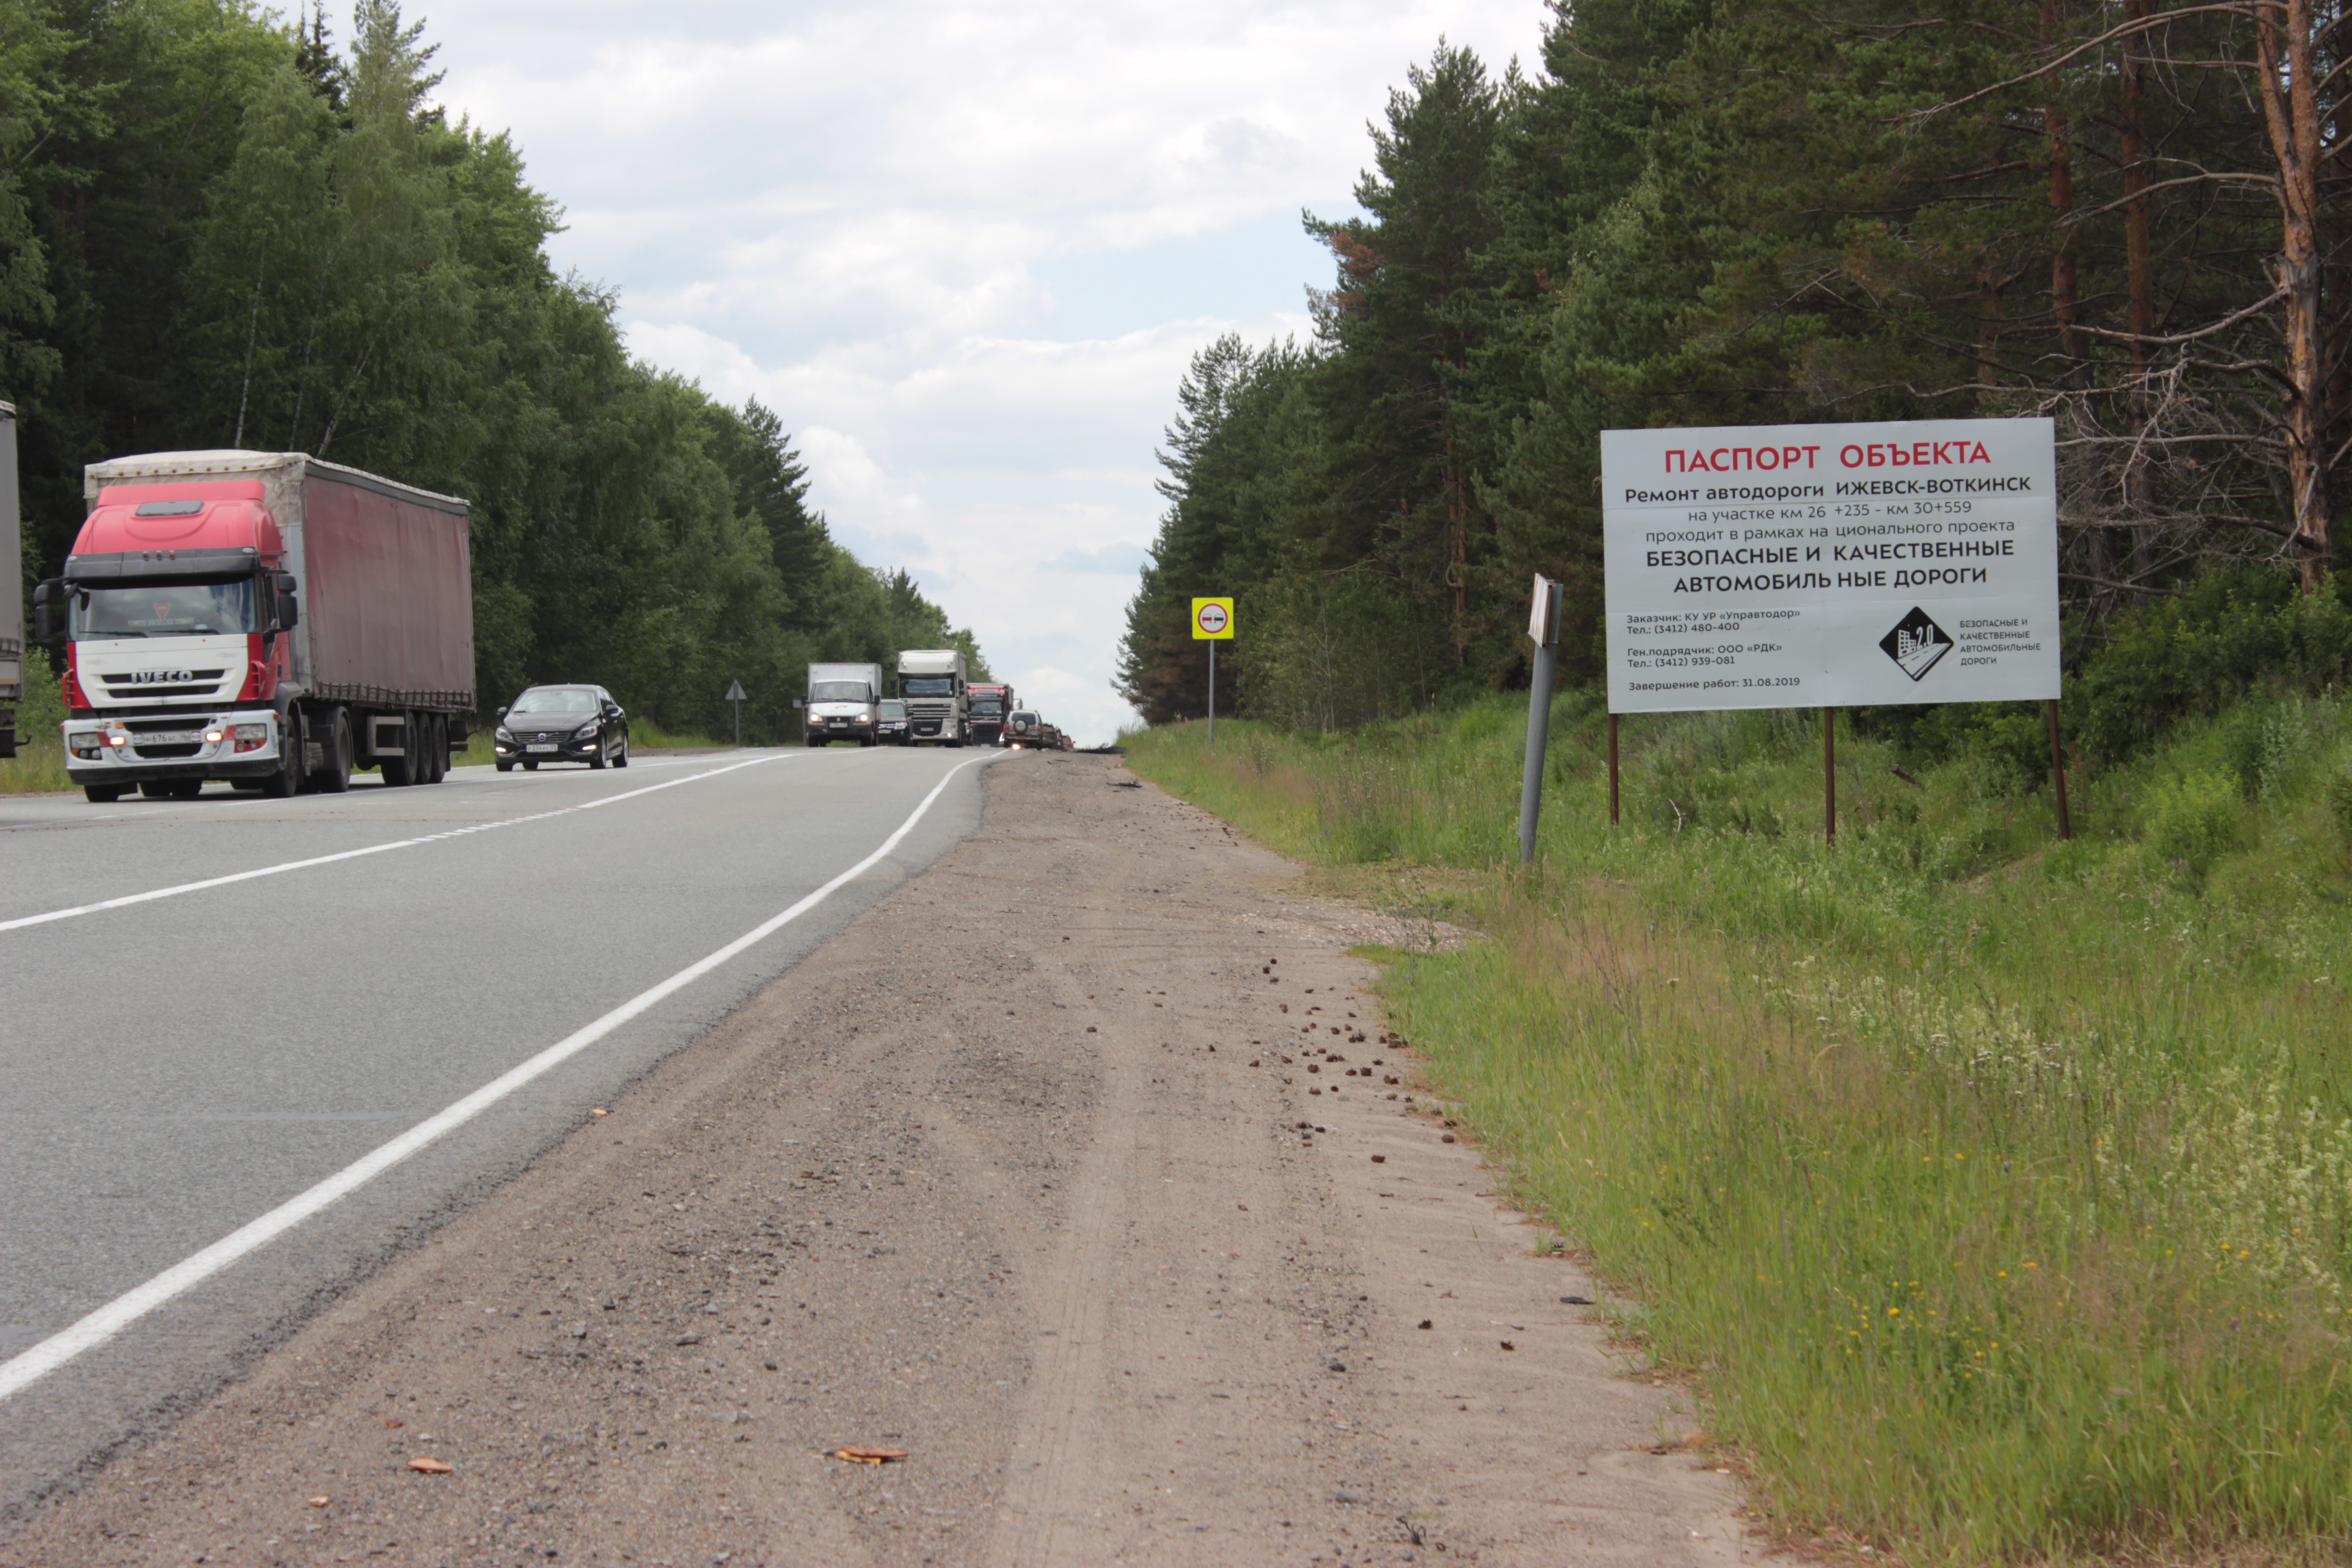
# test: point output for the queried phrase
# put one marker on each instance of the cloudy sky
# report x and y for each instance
(965, 250)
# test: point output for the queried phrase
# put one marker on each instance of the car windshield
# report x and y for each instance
(893, 709)
(555, 699)
(166, 609)
(840, 692)
(927, 686)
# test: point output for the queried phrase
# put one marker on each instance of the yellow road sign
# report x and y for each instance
(1212, 620)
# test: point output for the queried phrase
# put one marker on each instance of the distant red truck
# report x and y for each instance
(986, 709)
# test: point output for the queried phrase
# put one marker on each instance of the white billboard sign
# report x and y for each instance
(1831, 565)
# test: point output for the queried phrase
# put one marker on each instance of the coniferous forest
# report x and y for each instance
(219, 229)
(2127, 216)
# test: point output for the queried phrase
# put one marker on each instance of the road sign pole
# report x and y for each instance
(1212, 694)
(1544, 625)
(735, 694)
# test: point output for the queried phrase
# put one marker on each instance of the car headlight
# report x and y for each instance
(502, 733)
(587, 732)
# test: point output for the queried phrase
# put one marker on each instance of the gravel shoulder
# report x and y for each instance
(1073, 1169)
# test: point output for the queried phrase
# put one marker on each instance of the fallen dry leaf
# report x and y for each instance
(318, 1502)
(870, 1456)
(430, 1466)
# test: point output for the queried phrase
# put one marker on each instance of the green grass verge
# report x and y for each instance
(38, 766)
(1998, 1189)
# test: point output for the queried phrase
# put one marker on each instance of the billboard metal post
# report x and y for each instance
(1612, 770)
(1543, 626)
(1829, 775)
(2058, 771)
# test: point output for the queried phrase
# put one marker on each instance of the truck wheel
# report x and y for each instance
(335, 776)
(403, 770)
(287, 780)
(437, 747)
(103, 795)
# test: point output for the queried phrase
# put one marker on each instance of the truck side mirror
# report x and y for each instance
(48, 624)
(290, 613)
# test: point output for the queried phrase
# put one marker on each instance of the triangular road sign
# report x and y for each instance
(735, 693)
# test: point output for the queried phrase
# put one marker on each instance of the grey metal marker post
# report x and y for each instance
(735, 695)
(1543, 626)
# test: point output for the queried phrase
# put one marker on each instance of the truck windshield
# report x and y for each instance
(163, 610)
(839, 691)
(986, 707)
(927, 686)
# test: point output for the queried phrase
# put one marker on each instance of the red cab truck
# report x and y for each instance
(264, 619)
(990, 706)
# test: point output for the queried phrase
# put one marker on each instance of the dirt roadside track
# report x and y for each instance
(1010, 1175)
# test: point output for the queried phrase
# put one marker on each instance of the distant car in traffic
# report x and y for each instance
(890, 722)
(1048, 737)
(1023, 730)
(561, 724)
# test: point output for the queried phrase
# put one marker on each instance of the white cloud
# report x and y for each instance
(964, 248)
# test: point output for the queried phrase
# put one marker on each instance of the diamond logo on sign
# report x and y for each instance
(1915, 643)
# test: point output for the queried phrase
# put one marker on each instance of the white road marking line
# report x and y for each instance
(372, 849)
(132, 1305)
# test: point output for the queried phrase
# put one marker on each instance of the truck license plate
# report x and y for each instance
(546, 748)
(168, 738)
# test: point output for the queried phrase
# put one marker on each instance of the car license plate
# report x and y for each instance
(549, 747)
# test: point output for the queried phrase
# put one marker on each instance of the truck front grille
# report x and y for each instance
(201, 683)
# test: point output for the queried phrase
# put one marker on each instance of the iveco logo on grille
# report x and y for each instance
(157, 677)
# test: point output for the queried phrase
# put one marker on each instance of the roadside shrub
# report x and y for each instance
(1328, 653)
(2233, 630)
(2189, 820)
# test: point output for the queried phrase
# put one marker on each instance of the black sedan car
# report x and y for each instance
(890, 722)
(563, 724)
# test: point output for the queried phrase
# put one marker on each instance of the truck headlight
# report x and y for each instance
(251, 737)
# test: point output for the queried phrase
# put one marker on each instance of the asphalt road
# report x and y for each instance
(236, 999)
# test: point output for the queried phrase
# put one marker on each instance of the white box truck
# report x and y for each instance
(844, 702)
(932, 684)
